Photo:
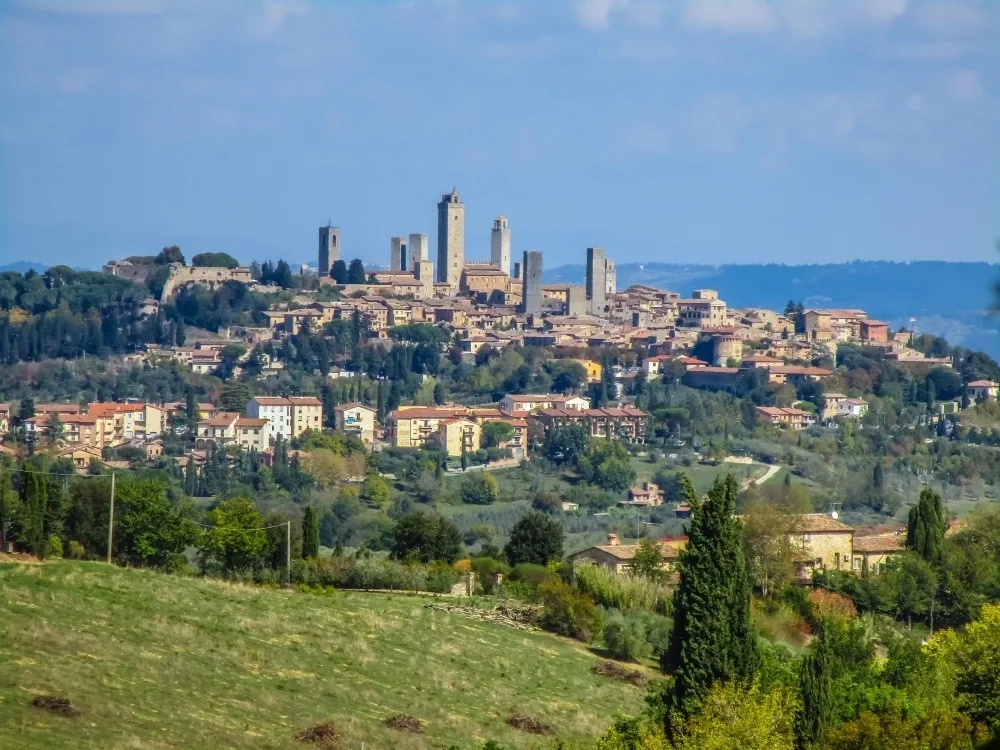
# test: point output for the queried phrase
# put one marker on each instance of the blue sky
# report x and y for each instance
(680, 131)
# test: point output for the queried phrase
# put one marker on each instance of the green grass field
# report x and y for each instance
(155, 661)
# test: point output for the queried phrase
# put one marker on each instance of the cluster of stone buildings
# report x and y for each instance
(820, 541)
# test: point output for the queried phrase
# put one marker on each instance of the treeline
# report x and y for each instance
(68, 314)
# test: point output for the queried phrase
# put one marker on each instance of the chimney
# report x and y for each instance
(613, 540)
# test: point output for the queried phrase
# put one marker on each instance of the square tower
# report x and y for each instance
(451, 238)
(531, 291)
(500, 244)
(329, 248)
(397, 254)
(612, 277)
(597, 282)
(418, 249)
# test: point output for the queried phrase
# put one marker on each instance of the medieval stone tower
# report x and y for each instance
(451, 238)
(500, 244)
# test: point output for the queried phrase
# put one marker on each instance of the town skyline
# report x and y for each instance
(859, 130)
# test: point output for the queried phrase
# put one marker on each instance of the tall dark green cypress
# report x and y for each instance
(926, 525)
(713, 638)
(310, 534)
(34, 501)
(815, 687)
(191, 478)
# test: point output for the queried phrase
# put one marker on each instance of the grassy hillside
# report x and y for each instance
(156, 661)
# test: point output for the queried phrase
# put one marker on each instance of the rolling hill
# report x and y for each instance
(157, 661)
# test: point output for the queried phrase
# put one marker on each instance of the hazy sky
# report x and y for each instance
(700, 131)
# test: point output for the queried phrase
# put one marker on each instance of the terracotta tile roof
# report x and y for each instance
(249, 422)
(352, 405)
(627, 551)
(819, 523)
(880, 543)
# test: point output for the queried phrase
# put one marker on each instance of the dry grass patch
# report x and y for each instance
(529, 724)
(324, 735)
(405, 723)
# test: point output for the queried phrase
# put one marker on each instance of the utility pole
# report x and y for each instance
(288, 549)
(111, 517)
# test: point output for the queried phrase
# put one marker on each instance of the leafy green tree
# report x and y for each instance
(738, 717)
(235, 395)
(479, 488)
(356, 272)
(648, 561)
(495, 433)
(171, 254)
(535, 538)
(310, 534)
(214, 260)
(53, 431)
(926, 526)
(236, 539)
(425, 537)
(338, 271)
(25, 410)
(566, 446)
(376, 491)
(9, 506)
(713, 639)
(149, 531)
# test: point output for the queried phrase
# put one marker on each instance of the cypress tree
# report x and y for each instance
(815, 686)
(926, 526)
(310, 534)
(713, 638)
(33, 504)
(191, 478)
(9, 506)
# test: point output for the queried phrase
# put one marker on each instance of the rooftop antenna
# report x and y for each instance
(834, 514)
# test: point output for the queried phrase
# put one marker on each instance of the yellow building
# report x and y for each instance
(457, 433)
(593, 369)
(824, 543)
(355, 419)
(871, 553)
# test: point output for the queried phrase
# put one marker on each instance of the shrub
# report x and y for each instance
(76, 550)
(831, 604)
(568, 612)
(487, 569)
(530, 573)
(54, 547)
(625, 637)
(616, 591)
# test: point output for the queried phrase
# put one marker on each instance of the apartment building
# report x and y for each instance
(623, 423)
(356, 419)
(785, 416)
(522, 404)
(230, 428)
(287, 416)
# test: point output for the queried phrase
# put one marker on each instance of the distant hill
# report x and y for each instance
(23, 266)
(947, 299)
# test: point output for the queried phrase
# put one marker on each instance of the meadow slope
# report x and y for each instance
(155, 661)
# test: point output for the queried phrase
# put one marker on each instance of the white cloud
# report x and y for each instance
(272, 16)
(877, 11)
(96, 7)
(595, 14)
(950, 16)
(966, 86)
(806, 18)
(739, 16)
